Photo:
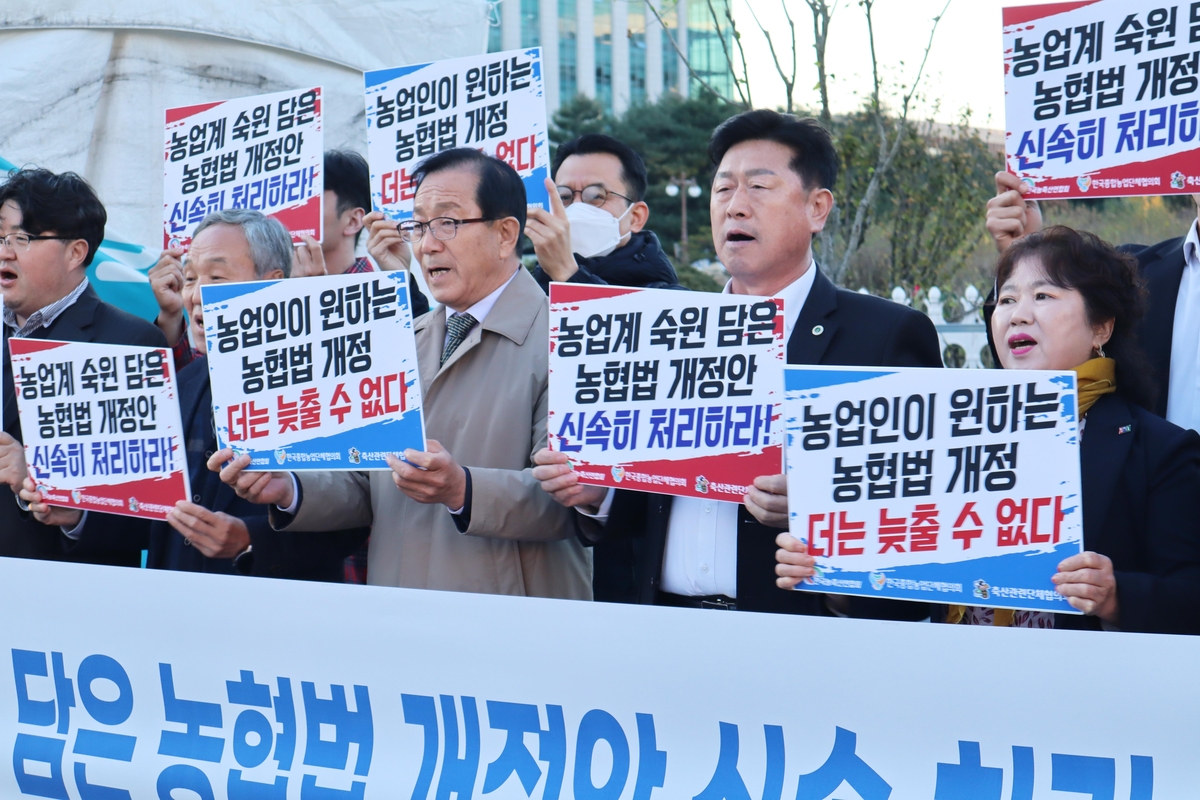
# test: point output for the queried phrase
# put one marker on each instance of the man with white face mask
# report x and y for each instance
(594, 230)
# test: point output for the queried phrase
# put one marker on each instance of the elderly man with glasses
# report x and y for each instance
(465, 514)
(50, 228)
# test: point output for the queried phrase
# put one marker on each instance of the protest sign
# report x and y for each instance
(493, 102)
(668, 392)
(318, 374)
(265, 152)
(946, 486)
(308, 690)
(101, 425)
(1101, 97)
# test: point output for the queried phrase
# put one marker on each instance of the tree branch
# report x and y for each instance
(687, 62)
(737, 84)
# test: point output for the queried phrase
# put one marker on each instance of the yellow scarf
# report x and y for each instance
(1094, 378)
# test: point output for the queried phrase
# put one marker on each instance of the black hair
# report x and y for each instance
(64, 203)
(500, 192)
(349, 178)
(1111, 287)
(633, 169)
(815, 159)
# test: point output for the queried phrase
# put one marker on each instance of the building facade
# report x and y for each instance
(616, 51)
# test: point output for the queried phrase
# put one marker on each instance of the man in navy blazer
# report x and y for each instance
(1010, 216)
(215, 531)
(50, 228)
(770, 196)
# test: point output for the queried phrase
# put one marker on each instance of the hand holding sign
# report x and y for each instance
(47, 514)
(794, 562)
(166, 280)
(1088, 583)
(432, 476)
(263, 488)
(309, 260)
(767, 500)
(213, 533)
(561, 482)
(1009, 215)
(12, 462)
(384, 244)
(550, 232)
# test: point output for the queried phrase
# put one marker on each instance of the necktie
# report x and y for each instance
(457, 326)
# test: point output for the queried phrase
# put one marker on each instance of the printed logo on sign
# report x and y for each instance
(133, 504)
(618, 474)
(982, 590)
(1177, 180)
(355, 455)
(1084, 182)
(702, 484)
(76, 496)
(878, 580)
(280, 456)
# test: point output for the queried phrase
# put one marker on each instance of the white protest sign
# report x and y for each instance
(1101, 97)
(310, 689)
(101, 425)
(945, 486)
(315, 374)
(493, 102)
(265, 152)
(664, 391)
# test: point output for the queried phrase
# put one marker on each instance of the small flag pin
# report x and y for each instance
(818, 330)
(1124, 429)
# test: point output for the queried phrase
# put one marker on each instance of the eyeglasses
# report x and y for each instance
(19, 242)
(443, 228)
(594, 195)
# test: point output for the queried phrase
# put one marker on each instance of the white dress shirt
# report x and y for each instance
(701, 549)
(1183, 394)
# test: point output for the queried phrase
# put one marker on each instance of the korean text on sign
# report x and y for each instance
(264, 152)
(669, 392)
(948, 486)
(1102, 98)
(317, 374)
(494, 103)
(101, 425)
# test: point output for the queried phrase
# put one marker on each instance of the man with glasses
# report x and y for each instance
(595, 231)
(466, 513)
(50, 228)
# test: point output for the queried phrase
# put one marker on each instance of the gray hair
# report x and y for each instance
(270, 243)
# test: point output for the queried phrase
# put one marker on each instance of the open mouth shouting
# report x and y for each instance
(1021, 343)
(8, 277)
(736, 236)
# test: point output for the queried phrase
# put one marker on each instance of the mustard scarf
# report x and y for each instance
(1094, 379)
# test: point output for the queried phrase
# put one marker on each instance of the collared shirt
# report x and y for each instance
(1183, 393)
(359, 266)
(481, 309)
(43, 317)
(701, 549)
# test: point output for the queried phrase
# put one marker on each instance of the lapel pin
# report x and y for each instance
(818, 330)
(1124, 429)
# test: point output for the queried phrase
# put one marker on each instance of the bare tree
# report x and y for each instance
(822, 14)
(740, 84)
(787, 76)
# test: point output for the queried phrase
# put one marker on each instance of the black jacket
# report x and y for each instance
(1162, 268)
(302, 556)
(1141, 508)
(836, 326)
(641, 263)
(88, 319)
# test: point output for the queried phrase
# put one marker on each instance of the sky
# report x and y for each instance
(965, 68)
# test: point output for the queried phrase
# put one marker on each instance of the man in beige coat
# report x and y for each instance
(466, 514)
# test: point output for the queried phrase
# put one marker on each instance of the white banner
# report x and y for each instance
(264, 152)
(493, 102)
(316, 374)
(235, 687)
(938, 485)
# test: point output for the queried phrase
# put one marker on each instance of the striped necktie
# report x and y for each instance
(457, 326)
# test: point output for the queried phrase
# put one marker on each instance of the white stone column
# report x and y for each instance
(548, 21)
(620, 56)
(654, 53)
(681, 38)
(585, 47)
(510, 24)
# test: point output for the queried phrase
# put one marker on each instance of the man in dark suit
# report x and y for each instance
(1165, 267)
(770, 196)
(215, 531)
(50, 228)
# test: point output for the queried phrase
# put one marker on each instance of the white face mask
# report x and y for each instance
(594, 231)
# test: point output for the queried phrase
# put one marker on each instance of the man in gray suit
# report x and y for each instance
(465, 514)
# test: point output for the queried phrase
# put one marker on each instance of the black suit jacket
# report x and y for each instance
(837, 327)
(1162, 268)
(88, 319)
(1141, 508)
(278, 555)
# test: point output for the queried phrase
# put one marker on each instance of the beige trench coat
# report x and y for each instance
(487, 405)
